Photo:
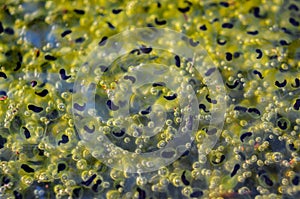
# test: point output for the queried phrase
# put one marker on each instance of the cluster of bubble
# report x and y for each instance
(254, 45)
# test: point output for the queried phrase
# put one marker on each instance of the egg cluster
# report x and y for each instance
(46, 47)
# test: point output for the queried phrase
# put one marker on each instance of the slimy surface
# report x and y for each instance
(150, 99)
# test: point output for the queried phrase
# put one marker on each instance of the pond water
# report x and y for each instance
(150, 99)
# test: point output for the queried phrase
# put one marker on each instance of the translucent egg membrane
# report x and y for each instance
(138, 100)
(105, 99)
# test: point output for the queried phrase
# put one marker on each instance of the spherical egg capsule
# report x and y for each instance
(277, 157)
(163, 171)
(176, 181)
(186, 191)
